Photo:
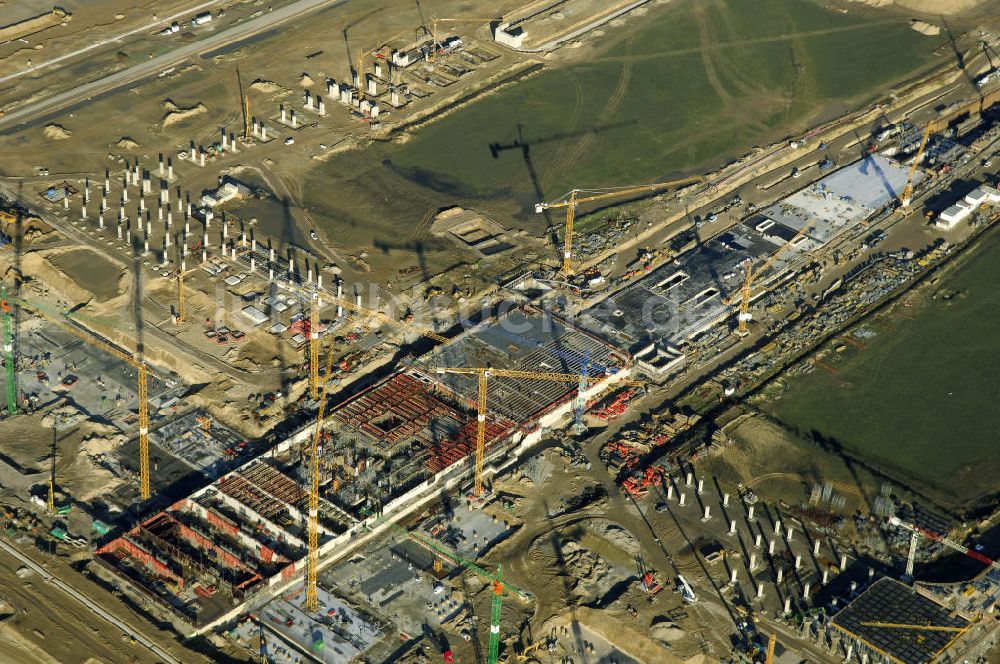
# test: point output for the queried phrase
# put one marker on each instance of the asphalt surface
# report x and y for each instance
(36, 110)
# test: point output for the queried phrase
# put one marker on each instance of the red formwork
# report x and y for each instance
(123, 547)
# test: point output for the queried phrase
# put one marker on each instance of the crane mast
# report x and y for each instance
(8, 352)
(483, 375)
(312, 564)
(571, 200)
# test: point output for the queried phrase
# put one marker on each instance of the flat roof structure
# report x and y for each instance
(687, 296)
(525, 339)
(889, 602)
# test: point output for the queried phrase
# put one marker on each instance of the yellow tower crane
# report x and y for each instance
(571, 200)
(314, 347)
(928, 628)
(484, 375)
(745, 292)
(141, 374)
(771, 642)
(978, 105)
(312, 564)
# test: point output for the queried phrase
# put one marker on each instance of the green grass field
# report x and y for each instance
(684, 88)
(921, 399)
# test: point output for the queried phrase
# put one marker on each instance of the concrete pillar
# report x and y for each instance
(225, 140)
(170, 218)
(204, 253)
(188, 214)
(121, 213)
(689, 479)
(701, 486)
(753, 561)
(798, 562)
(340, 308)
(805, 591)
(780, 576)
(319, 281)
(826, 576)
(128, 235)
(725, 500)
(770, 547)
(145, 246)
(750, 512)
(291, 273)
(816, 548)
(147, 184)
(681, 500)
(295, 119)
(670, 492)
(125, 193)
(100, 220)
(193, 153)
(321, 106)
(757, 540)
(187, 227)
(789, 534)
(170, 169)
(142, 203)
(209, 215)
(372, 87)
(253, 126)
(107, 181)
(149, 227)
(166, 239)
(378, 69)
(732, 526)
(843, 562)
(253, 244)
(732, 576)
(708, 514)
(309, 275)
(854, 587)
(201, 158)
(159, 213)
(281, 110)
(163, 256)
(253, 263)
(232, 142)
(263, 132)
(871, 573)
(394, 97)
(83, 212)
(850, 651)
(225, 231)
(243, 237)
(307, 99)
(160, 170)
(760, 591)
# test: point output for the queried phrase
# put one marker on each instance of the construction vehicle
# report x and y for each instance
(571, 200)
(772, 641)
(650, 584)
(548, 642)
(484, 374)
(746, 294)
(312, 564)
(687, 593)
(133, 360)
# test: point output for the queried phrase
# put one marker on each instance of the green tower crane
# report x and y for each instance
(8, 352)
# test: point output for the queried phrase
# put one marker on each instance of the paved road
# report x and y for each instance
(93, 606)
(167, 20)
(35, 110)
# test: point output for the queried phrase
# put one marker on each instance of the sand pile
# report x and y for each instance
(63, 417)
(620, 537)
(306, 81)
(666, 632)
(268, 87)
(126, 143)
(583, 569)
(56, 132)
(925, 28)
(177, 113)
(42, 270)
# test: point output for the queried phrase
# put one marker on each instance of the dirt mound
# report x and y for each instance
(936, 7)
(666, 632)
(176, 114)
(306, 80)
(925, 28)
(268, 87)
(126, 143)
(56, 132)
(620, 537)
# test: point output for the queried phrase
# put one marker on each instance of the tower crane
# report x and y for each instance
(935, 537)
(571, 200)
(132, 360)
(484, 375)
(8, 352)
(314, 347)
(937, 125)
(745, 292)
(929, 628)
(312, 564)
(496, 580)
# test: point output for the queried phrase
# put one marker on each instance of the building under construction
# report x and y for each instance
(389, 447)
(893, 623)
(658, 316)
